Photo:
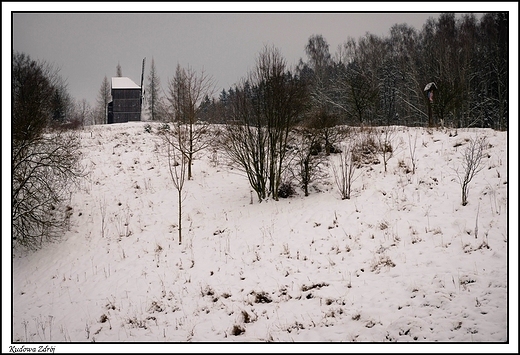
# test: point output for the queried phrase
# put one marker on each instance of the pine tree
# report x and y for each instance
(153, 89)
(103, 99)
(60, 102)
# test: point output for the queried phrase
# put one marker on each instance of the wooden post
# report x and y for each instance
(429, 89)
(430, 114)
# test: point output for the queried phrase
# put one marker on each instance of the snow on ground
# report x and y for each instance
(401, 261)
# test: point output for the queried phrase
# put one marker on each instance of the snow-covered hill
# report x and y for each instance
(401, 261)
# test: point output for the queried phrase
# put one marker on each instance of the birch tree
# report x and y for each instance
(186, 91)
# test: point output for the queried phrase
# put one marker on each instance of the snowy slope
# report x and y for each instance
(401, 261)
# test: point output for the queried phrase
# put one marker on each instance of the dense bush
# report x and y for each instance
(286, 190)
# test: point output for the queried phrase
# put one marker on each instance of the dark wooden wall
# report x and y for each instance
(126, 105)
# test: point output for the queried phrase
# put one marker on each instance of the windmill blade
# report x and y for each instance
(142, 91)
(142, 76)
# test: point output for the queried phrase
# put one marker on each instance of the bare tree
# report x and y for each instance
(384, 141)
(410, 103)
(45, 163)
(344, 170)
(308, 159)
(45, 170)
(186, 91)
(244, 141)
(493, 76)
(80, 115)
(173, 140)
(317, 50)
(356, 82)
(324, 111)
(472, 164)
(265, 109)
(279, 106)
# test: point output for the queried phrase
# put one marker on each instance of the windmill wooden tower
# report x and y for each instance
(127, 99)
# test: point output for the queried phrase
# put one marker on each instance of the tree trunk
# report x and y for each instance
(180, 216)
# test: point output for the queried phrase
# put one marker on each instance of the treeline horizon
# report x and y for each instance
(369, 81)
(376, 81)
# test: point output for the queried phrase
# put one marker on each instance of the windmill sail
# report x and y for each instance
(142, 91)
(142, 77)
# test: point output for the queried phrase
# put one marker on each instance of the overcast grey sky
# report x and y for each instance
(88, 46)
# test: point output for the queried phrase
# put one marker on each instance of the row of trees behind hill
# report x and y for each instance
(380, 80)
(369, 81)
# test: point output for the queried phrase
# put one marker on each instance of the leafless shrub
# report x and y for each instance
(366, 148)
(244, 145)
(294, 326)
(261, 297)
(207, 291)
(383, 225)
(237, 329)
(381, 262)
(402, 165)
(248, 318)
(384, 142)
(472, 164)
(46, 168)
(286, 190)
(135, 322)
(308, 160)
(344, 171)
(412, 146)
(156, 307)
